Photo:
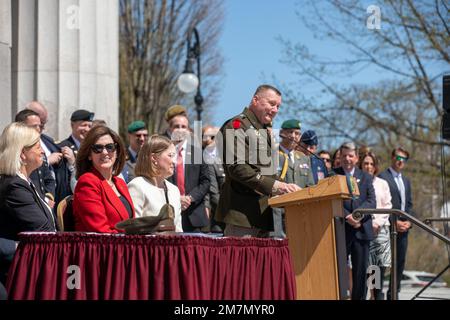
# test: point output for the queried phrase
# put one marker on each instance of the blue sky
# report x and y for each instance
(251, 50)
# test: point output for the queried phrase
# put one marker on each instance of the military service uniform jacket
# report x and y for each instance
(298, 172)
(247, 187)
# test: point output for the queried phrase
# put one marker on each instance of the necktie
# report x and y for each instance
(180, 171)
(401, 188)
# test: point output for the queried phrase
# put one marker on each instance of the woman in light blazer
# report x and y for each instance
(150, 190)
(380, 247)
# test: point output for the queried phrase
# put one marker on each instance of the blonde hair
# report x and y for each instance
(15, 137)
(155, 145)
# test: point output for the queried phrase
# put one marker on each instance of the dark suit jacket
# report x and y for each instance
(395, 193)
(61, 170)
(366, 200)
(21, 209)
(96, 207)
(196, 183)
(43, 179)
(69, 142)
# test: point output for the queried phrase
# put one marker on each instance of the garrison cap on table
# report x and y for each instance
(82, 115)
(291, 124)
(136, 126)
(309, 137)
(175, 110)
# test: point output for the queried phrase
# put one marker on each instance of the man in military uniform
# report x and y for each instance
(81, 123)
(250, 178)
(309, 142)
(137, 135)
(42, 177)
(293, 167)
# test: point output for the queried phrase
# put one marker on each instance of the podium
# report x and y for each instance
(315, 228)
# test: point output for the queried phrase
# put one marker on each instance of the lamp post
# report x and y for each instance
(188, 81)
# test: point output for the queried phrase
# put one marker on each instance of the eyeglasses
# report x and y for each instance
(400, 158)
(98, 148)
(326, 159)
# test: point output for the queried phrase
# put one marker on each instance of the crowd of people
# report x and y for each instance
(225, 192)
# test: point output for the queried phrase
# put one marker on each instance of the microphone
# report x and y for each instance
(303, 148)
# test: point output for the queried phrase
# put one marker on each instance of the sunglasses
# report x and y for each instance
(326, 159)
(98, 148)
(400, 158)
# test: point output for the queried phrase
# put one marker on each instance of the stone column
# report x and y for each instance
(5, 63)
(67, 57)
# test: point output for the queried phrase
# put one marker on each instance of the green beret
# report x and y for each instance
(291, 124)
(175, 110)
(136, 126)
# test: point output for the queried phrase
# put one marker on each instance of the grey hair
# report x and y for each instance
(349, 146)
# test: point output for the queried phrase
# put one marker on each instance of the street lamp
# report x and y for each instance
(188, 81)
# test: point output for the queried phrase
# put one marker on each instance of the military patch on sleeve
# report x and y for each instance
(237, 124)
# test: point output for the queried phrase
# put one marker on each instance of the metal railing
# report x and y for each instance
(395, 213)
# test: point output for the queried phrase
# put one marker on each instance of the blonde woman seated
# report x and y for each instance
(150, 190)
(22, 206)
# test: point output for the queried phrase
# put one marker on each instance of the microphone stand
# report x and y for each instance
(304, 149)
(350, 186)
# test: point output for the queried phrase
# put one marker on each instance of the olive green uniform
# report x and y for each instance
(298, 172)
(248, 184)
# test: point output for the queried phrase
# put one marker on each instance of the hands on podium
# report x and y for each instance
(282, 187)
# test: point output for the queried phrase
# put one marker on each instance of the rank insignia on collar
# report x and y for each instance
(236, 124)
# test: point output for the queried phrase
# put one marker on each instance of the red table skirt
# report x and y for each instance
(102, 266)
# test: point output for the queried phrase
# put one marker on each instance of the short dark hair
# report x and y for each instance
(394, 152)
(83, 163)
(325, 152)
(265, 87)
(24, 114)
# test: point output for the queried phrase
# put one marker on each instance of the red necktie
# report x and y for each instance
(180, 171)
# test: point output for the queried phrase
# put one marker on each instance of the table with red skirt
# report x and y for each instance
(90, 266)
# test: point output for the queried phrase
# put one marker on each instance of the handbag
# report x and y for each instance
(163, 222)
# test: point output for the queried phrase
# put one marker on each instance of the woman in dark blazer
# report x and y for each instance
(21, 206)
(101, 199)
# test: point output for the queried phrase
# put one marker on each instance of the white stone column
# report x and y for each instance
(5, 63)
(67, 58)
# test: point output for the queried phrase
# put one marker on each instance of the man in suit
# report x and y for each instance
(309, 141)
(43, 178)
(81, 123)
(293, 167)
(400, 189)
(7, 250)
(137, 135)
(245, 148)
(216, 176)
(358, 233)
(191, 178)
(60, 160)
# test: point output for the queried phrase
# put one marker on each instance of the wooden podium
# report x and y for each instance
(316, 232)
